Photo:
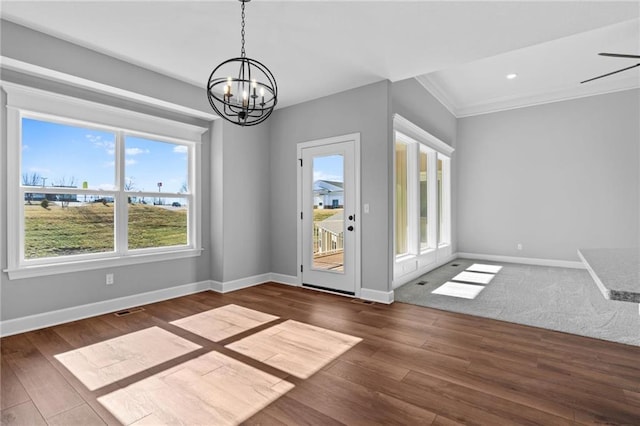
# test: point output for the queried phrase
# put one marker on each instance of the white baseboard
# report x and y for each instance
(48, 319)
(227, 286)
(523, 260)
(285, 279)
(419, 272)
(385, 297)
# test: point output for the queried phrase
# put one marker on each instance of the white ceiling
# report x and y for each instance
(460, 50)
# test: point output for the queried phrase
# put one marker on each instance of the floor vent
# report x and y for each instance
(455, 264)
(128, 312)
(421, 282)
(363, 302)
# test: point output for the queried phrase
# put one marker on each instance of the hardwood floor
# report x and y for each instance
(413, 365)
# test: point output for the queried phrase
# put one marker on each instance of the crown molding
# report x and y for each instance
(438, 93)
(522, 101)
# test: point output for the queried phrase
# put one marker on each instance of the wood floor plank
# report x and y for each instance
(414, 365)
(11, 392)
(48, 390)
(25, 414)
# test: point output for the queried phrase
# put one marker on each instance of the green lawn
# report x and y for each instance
(61, 231)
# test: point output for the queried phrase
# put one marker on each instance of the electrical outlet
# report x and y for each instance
(519, 246)
(109, 279)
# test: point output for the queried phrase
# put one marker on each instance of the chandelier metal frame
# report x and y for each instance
(249, 98)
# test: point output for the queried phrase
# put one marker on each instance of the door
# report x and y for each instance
(328, 231)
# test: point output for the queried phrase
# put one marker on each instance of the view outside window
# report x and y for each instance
(70, 192)
(56, 160)
(402, 207)
(156, 176)
(328, 212)
(440, 209)
(424, 242)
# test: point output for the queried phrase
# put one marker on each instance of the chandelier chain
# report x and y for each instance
(242, 53)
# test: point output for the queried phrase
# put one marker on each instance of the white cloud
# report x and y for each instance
(39, 170)
(136, 151)
(109, 163)
(323, 176)
(130, 162)
(106, 187)
(180, 149)
(25, 147)
(109, 146)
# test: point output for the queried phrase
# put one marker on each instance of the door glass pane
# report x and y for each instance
(328, 213)
(67, 224)
(423, 200)
(402, 211)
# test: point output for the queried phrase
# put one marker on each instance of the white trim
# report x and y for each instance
(98, 263)
(30, 100)
(285, 279)
(38, 71)
(523, 260)
(385, 297)
(402, 125)
(436, 91)
(48, 319)
(507, 103)
(604, 290)
(241, 283)
(403, 279)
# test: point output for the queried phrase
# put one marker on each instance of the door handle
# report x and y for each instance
(350, 228)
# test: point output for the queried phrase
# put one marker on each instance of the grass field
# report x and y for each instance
(58, 231)
(322, 214)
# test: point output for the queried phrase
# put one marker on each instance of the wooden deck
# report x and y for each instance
(329, 262)
(413, 366)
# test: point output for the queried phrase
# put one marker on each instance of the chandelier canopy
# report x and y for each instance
(242, 90)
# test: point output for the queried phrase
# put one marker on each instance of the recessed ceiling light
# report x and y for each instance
(511, 76)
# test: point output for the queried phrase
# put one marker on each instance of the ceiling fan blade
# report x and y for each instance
(619, 55)
(608, 74)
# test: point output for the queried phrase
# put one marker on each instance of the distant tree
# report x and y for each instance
(31, 179)
(129, 185)
(65, 183)
(183, 188)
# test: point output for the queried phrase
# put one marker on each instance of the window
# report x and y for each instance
(422, 211)
(95, 186)
(402, 203)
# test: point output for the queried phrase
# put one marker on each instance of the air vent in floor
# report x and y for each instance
(128, 312)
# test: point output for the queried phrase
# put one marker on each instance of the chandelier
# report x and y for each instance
(242, 90)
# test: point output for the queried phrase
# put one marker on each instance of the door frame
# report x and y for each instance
(351, 137)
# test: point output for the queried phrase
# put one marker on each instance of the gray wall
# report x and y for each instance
(554, 177)
(412, 101)
(364, 110)
(242, 199)
(31, 296)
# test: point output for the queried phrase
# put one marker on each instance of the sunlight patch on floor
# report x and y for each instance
(211, 389)
(296, 348)
(107, 362)
(481, 267)
(473, 277)
(465, 291)
(221, 323)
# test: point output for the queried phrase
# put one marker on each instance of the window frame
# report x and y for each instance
(26, 102)
(438, 243)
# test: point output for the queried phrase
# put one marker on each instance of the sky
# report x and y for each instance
(62, 153)
(328, 167)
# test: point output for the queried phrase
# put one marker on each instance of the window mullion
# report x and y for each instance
(121, 213)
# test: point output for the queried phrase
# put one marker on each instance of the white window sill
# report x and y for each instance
(87, 265)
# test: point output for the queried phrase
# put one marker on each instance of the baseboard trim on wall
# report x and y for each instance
(285, 279)
(402, 280)
(227, 286)
(48, 319)
(385, 297)
(523, 260)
